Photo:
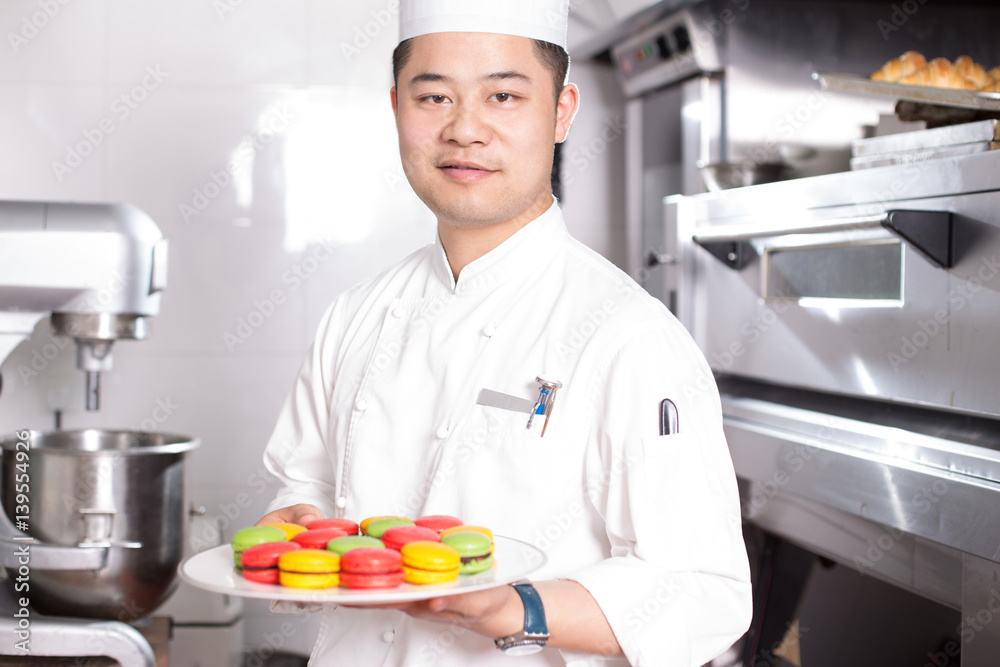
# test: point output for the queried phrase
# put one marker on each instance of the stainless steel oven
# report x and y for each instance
(853, 321)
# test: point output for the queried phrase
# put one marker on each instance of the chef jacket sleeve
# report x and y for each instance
(676, 589)
(297, 453)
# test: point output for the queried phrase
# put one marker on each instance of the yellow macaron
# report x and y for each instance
(430, 562)
(309, 568)
(290, 529)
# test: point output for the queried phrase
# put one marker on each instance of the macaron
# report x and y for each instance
(244, 538)
(371, 568)
(379, 526)
(318, 539)
(290, 529)
(396, 538)
(461, 529)
(438, 522)
(260, 563)
(475, 549)
(365, 522)
(309, 568)
(346, 525)
(430, 562)
(341, 545)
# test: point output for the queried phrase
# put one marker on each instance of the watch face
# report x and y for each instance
(524, 649)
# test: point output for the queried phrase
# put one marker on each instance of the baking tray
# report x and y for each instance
(910, 157)
(952, 135)
(856, 83)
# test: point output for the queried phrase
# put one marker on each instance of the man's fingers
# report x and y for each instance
(300, 514)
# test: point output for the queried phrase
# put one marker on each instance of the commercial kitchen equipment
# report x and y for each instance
(719, 81)
(94, 520)
(96, 269)
(852, 321)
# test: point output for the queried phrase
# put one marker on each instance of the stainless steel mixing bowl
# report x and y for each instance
(120, 490)
(724, 175)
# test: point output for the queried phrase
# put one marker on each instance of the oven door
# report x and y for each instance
(893, 299)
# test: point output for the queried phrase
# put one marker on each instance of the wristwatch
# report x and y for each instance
(535, 635)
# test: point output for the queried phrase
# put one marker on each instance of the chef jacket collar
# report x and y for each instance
(522, 255)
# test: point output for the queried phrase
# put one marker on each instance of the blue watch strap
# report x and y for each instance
(534, 611)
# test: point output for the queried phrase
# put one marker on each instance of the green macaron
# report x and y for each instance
(379, 526)
(244, 538)
(475, 549)
(341, 545)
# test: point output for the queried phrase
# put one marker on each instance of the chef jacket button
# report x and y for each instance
(342, 502)
(398, 312)
(443, 432)
(388, 636)
(361, 405)
(489, 330)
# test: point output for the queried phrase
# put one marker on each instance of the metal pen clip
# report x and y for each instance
(543, 404)
(669, 421)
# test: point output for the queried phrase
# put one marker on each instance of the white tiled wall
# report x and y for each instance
(308, 81)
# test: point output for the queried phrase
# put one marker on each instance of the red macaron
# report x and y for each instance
(371, 568)
(346, 525)
(396, 538)
(260, 563)
(438, 522)
(318, 539)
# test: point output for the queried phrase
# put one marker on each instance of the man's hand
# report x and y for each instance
(575, 621)
(300, 514)
(495, 612)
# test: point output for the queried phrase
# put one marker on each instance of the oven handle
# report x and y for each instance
(931, 233)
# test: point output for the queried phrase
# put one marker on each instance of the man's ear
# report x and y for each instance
(568, 105)
(395, 105)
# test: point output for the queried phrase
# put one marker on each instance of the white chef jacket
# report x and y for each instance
(383, 419)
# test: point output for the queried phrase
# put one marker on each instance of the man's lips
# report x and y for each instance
(465, 171)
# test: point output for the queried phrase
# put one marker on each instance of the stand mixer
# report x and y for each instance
(106, 515)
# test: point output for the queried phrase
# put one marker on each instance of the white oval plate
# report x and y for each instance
(213, 570)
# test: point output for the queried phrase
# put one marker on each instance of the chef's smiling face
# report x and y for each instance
(478, 122)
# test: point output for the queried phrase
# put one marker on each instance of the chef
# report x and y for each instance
(412, 399)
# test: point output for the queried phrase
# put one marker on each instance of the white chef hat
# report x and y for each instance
(546, 20)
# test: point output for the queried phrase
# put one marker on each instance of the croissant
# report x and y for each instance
(972, 71)
(994, 75)
(939, 73)
(896, 69)
(992, 88)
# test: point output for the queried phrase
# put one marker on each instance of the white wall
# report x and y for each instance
(323, 196)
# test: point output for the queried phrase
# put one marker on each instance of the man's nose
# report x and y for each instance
(467, 125)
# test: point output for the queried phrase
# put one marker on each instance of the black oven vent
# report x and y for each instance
(735, 254)
(929, 232)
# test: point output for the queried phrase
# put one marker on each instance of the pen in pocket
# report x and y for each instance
(668, 417)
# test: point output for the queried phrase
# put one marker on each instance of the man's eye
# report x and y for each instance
(503, 97)
(436, 99)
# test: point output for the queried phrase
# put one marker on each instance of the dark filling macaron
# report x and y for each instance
(475, 549)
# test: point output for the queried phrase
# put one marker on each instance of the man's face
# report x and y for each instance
(477, 127)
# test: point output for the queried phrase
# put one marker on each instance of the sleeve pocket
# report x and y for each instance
(675, 500)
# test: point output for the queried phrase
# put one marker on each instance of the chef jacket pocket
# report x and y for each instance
(674, 500)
